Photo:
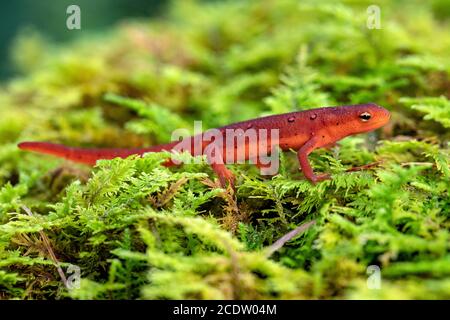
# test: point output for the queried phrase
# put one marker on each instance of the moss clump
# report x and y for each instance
(135, 229)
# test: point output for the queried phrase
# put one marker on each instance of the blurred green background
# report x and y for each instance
(49, 18)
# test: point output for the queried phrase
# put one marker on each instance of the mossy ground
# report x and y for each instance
(139, 230)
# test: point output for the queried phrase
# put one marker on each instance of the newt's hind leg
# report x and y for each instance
(215, 159)
(220, 169)
(224, 175)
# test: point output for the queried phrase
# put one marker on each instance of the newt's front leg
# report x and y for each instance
(302, 155)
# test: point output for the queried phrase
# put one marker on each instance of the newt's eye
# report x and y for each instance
(365, 116)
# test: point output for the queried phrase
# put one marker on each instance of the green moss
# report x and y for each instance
(137, 229)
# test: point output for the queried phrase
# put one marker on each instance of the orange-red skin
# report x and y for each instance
(302, 131)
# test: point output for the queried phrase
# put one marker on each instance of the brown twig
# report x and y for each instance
(46, 242)
(287, 237)
(163, 198)
(235, 271)
(364, 167)
(410, 164)
(233, 215)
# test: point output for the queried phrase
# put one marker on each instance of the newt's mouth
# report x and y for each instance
(382, 117)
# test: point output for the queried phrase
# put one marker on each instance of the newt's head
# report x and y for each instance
(360, 118)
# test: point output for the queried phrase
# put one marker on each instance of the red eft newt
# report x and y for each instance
(302, 131)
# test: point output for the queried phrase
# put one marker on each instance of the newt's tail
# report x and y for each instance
(84, 155)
